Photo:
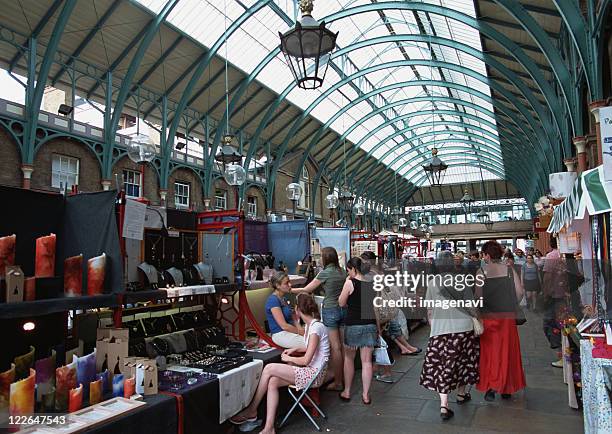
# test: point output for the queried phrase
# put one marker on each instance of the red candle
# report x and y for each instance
(129, 387)
(7, 252)
(45, 256)
(96, 268)
(73, 275)
(75, 399)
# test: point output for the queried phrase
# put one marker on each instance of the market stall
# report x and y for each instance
(582, 225)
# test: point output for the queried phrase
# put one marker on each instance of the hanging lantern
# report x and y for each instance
(466, 202)
(234, 174)
(307, 48)
(423, 227)
(294, 192)
(430, 229)
(435, 169)
(403, 222)
(346, 200)
(331, 201)
(228, 153)
(489, 225)
(140, 149)
(483, 216)
(359, 209)
(414, 225)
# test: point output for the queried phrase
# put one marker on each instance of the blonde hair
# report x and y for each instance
(277, 278)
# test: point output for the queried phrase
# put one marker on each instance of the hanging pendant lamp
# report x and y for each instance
(307, 48)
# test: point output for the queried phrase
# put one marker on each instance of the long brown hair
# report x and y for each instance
(308, 306)
(329, 256)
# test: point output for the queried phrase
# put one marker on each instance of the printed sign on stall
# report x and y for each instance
(605, 119)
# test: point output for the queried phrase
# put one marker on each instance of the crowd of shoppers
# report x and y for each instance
(467, 347)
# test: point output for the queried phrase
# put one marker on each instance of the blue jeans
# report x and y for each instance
(333, 317)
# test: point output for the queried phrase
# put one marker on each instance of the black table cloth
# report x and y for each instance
(159, 416)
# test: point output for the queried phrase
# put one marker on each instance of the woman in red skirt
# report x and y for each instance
(501, 368)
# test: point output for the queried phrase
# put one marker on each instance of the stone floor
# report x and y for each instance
(405, 406)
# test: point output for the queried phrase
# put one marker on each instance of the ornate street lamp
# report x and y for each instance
(140, 149)
(230, 160)
(294, 194)
(307, 48)
(483, 216)
(489, 225)
(359, 211)
(346, 202)
(466, 203)
(331, 202)
(435, 169)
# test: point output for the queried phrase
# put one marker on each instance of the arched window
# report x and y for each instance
(304, 201)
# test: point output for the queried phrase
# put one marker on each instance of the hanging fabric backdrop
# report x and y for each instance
(338, 238)
(288, 241)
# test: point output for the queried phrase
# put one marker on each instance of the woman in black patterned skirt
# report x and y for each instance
(451, 361)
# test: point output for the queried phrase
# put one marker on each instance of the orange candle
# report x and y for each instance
(129, 387)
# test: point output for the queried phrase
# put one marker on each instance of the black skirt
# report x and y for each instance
(532, 285)
(451, 361)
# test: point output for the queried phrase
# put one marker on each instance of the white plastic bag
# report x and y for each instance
(381, 354)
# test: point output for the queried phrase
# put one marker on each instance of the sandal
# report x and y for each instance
(239, 420)
(368, 402)
(464, 398)
(343, 398)
(447, 414)
(413, 353)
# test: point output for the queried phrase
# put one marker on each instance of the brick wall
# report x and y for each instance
(90, 176)
(230, 194)
(151, 183)
(260, 200)
(195, 187)
(89, 167)
(10, 161)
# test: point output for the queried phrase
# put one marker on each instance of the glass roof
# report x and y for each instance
(398, 144)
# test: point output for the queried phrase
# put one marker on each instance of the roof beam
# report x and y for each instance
(157, 63)
(513, 26)
(96, 28)
(39, 27)
(532, 8)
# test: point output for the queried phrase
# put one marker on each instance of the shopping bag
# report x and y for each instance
(381, 353)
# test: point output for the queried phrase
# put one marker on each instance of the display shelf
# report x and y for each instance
(54, 305)
(142, 296)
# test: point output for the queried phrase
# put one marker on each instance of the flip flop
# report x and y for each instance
(414, 353)
(239, 420)
(342, 398)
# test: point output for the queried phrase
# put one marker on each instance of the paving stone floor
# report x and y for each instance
(405, 406)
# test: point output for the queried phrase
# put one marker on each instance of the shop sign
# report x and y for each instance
(605, 118)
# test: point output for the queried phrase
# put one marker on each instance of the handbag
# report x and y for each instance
(381, 353)
(478, 326)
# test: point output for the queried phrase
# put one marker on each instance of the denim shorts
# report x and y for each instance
(394, 330)
(333, 317)
(360, 336)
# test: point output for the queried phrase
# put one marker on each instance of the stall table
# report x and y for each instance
(595, 398)
(159, 416)
(198, 405)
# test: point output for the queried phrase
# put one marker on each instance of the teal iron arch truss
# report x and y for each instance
(532, 118)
